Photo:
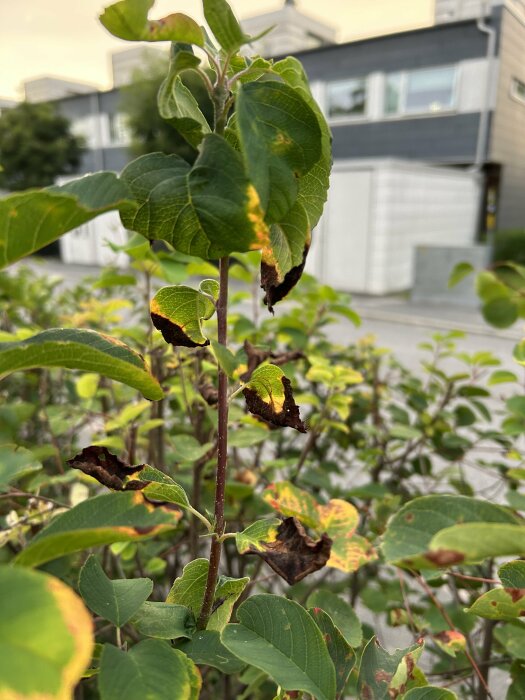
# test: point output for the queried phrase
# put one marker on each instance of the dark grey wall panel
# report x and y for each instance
(425, 47)
(443, 139)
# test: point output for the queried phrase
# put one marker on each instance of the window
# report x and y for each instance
(420, 91)
(347, 98)
(119, 131)
(517, 90)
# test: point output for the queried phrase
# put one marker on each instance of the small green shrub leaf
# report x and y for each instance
(476, 541)
(341, 613)
(340, 651)
(227, 594)
(15, 463)
(382, 675)
(224, 25)
(128, 20)
(269, 395)
(80, 349)
(208, 210)
(113, 517)
(430, 693)
(46, 636)
(33, 219)
(188, 589)
(178, 313)
(278, 636)
(257, 535)
(150, 669)
(205, 648)
(512, 574)
(500, 604)
(460, 271)
(116, 601)
(164, 620)
(410, 531)
(500, 313)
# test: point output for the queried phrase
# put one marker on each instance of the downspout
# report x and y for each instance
(484, 120)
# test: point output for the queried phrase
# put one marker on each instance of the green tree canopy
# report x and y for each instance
(35, 146)
(150, 132)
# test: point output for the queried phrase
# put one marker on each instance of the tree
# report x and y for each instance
(36, 146)
(139, 102)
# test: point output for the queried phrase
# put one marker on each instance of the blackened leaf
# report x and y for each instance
(208, 210)
(294, 554)
(340, 651)
(128, 20)
(178, 312)
(107, 468)
(269, 395)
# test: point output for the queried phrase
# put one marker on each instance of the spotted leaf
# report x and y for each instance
(269, 395)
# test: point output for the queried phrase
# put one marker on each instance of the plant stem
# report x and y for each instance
(222, 450)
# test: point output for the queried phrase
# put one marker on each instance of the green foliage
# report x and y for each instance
(509, 246)
(209, 486)
(35, 146)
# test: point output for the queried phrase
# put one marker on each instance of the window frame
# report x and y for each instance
(402, 111)
(514, 83)
(343, 118)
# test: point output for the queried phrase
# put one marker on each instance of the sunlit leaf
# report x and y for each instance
(80, 349)
(224, 25)
(128, 19)
(178, 313)
(46, 636)
(269, 395)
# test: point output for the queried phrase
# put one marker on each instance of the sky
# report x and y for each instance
(63, 37)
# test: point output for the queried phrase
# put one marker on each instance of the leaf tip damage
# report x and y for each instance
(275, 407)
(275, 288)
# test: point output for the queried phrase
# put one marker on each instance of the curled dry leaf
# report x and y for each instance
(269, 395)
(106, 468)
(293, 554)
(276, 288)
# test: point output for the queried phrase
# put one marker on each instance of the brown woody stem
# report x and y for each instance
(222, 451)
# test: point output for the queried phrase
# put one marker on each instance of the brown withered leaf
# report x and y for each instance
(294, 554)
(209, 393)
(276, 290)
(256, 356)
(107, 468)
(269, 396)
(174, 334)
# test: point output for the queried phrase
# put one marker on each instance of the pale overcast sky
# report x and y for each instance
(64, 38)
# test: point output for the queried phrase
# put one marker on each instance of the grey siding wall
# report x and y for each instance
(507, 144)
(417, 49)
(446, 139)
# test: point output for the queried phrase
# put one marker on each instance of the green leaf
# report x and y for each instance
(313, 186)
(164, 621)
(176, 103)
(269, 395)
(340, 651)
(382, 675)
(474, 542)
(15, 463)
(80, 349)
(114, 517)
(280, 139)
(128, 20)
(208, 210)
(227, 594)
(116, 601)
(205, 648)
(410, 531)
(178, 313)
(256, 535)
(31, 220)
(512, 637)
(46, 658)
(500, 604)
(150, 669)
(224, 25)
(188, 589)
(501, 376)
(162, 487)
(460, 271)
(500, 313)
(225, 358)
(342, 615)
(512, 574)
(278, 636)
(430, 693)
